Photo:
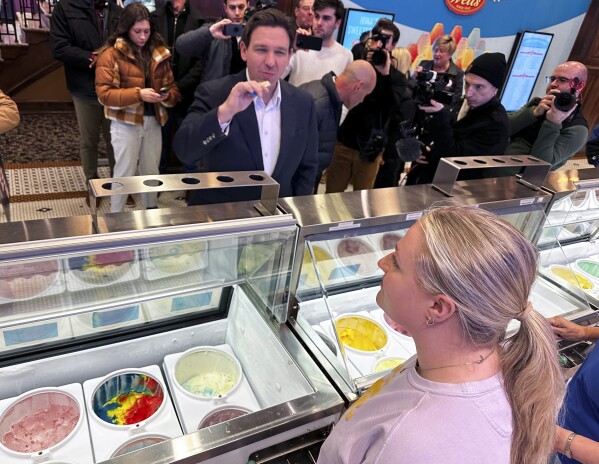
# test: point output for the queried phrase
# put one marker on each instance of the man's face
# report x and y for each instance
(234, 9)
(389, 45)
(561, 78)
(267, 54)
(478, 90)
(325, 23)
(304, 14)
(360, 92)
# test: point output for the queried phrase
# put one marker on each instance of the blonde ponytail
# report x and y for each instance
(488, 268)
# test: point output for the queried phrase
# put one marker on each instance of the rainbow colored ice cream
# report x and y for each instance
(133, 406)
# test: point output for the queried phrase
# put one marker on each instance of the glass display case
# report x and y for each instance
(336, 277)
(155, 345)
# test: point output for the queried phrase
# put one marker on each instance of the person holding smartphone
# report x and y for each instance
(217, 45)
(135, 84)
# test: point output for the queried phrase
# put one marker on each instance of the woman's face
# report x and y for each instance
(140, 33)
(400, 296)
(441, 56)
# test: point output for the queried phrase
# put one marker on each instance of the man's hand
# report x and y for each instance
(567, 330)
(556, 116)
(239, 99)
(416, 71)
(216, 30)
(151, 96)
(433, 107)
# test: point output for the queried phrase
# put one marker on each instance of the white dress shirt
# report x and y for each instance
(269, 127)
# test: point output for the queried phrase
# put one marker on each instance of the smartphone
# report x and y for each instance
(308, 42)
(233, 29)
(163, 90)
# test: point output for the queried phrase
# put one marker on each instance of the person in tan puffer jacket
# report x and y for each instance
(135, 83)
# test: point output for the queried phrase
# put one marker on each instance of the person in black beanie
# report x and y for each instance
(476, 125)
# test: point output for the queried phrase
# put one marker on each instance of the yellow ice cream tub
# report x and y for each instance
(573, 278)
(360, 333)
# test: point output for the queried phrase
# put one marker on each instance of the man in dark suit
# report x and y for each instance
(253, 120)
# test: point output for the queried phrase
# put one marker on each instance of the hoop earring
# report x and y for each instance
(430, 320)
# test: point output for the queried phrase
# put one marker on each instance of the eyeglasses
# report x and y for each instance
(560, 80)
(306, 8)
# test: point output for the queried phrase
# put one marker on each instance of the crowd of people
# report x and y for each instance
(357, 116)
(239, 95)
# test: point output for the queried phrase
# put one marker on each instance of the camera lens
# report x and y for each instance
(564, 101)
(379, 58)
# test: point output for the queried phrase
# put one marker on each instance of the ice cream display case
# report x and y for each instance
(336, 277)
(154, 341)
(568, 239)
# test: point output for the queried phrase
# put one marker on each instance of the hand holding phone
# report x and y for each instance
(163, 90)
(233, 30)
(308, 42)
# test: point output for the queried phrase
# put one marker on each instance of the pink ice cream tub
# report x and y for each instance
(45, 424)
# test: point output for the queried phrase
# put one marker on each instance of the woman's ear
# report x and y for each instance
(442, 308)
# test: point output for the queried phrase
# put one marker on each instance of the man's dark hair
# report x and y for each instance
(320, 5)
(384, 23)
(268, 18)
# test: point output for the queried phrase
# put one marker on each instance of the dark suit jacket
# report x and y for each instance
(200, 138)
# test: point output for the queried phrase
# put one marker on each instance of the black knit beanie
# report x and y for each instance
(490, 66)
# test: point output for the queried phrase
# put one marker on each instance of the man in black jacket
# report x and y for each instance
(476, 126)
(330, 94)
(361, 137)
(174, 18)
(77, 29)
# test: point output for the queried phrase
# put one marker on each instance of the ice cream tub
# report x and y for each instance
(45, 424)
(26, 281)
(386, 242)
(388, 363)
(358, 257)
(128, 402)
(138, 442)
(173, 259)
(35, 333)
(107, 319)
(324, 262)
(361, 333)
(588, 267)
(223, 414)
(204, 378)
(576, 279)
(102, 269)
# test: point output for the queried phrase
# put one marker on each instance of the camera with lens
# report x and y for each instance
(378, 57)
(430, 85)
(377, 140)
(260, 5)
(564, 101)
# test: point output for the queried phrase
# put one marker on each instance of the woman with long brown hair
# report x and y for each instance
(454, 282)
(135, 83)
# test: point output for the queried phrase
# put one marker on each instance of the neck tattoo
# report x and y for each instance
(479, 361)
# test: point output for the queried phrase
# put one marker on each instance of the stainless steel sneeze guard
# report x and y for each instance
(99, 188)
(534, 173)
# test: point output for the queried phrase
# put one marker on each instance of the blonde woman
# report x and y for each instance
(135, 83)
(454, 282)
(401, 59)
(443, 49)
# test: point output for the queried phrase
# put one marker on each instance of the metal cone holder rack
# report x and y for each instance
(267, 205)
(533, 175)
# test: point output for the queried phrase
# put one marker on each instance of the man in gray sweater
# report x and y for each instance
(542, 130)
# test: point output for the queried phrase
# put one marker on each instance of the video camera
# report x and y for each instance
(430, 85)
(260, 5)
(378, 57)
(564, 101)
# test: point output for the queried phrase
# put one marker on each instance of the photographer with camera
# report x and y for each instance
(443, 48)
(217, 45)
(475, 126)
(552, 128)
(365, 131)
